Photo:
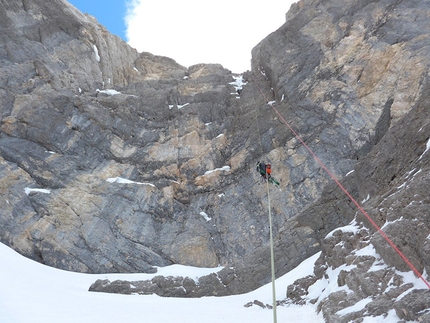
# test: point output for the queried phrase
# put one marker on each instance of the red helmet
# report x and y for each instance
(269, 166)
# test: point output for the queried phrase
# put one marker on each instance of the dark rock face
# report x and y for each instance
(216, 284)
(394, 176)
(65, 131)
(115, 161)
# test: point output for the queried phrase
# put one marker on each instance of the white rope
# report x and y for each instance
(272, 256)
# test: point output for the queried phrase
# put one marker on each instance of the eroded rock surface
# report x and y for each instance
(117, 161)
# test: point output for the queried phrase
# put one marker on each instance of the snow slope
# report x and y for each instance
(32, 292)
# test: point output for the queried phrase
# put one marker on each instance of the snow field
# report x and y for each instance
(32, 292)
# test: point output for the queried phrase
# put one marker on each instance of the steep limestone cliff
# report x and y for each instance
(118, 161)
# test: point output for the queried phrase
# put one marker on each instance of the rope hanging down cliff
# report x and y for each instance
(268, 179)
(360, 208)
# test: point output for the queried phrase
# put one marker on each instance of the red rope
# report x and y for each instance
(346, 192)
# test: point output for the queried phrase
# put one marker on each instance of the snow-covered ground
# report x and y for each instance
(32, 292)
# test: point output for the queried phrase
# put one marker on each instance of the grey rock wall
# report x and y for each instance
(393, 183)
(81, 111)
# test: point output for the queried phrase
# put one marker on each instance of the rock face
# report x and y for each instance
(216, 284)
(78, 117)
(118, 161)
(365, 275)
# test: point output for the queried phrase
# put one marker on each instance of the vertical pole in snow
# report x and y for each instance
(272, 256)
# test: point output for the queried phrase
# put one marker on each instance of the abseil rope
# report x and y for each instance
(272, 253)
(391, 243)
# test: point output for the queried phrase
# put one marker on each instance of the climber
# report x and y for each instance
(269, 170)
(265, 170)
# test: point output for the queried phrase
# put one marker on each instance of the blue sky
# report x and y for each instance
(109, 13)
(191, 31)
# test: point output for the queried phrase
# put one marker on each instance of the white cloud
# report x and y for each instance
(192, 31)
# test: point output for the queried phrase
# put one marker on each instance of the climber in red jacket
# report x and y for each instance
(265, 170)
